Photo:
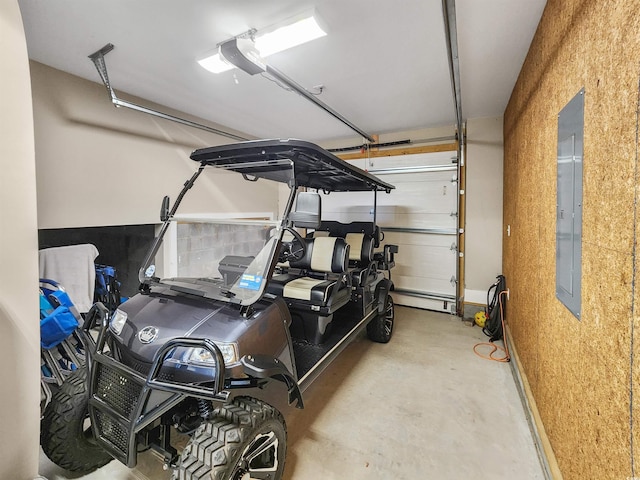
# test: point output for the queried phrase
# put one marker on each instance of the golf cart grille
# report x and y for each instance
(119, 392)
(112, 431)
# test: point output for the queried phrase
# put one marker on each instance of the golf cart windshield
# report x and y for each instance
(231, 258)
(220, 259)
(225, 257)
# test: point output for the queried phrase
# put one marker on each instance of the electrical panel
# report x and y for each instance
(569, 204)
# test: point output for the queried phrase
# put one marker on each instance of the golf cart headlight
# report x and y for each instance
(118, 320)
(202, 356)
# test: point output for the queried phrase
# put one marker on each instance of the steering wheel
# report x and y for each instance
(295, 249)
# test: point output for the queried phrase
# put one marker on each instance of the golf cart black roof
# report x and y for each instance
(314, 167)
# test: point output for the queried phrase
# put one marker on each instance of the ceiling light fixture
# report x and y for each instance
(283, 38)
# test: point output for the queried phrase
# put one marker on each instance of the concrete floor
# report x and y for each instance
(423, 406)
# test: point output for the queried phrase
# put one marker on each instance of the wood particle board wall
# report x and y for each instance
(583, 374)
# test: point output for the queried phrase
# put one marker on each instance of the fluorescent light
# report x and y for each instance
(289, 36)
(283, 38)
(215, 64)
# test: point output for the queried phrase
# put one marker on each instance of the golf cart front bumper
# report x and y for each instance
(123, 402)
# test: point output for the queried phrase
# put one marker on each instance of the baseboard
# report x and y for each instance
(543, 445)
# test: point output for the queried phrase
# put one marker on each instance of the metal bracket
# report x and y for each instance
(98, 60)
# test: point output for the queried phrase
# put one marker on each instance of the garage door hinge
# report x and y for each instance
(454, 179)
(453, 214)
(453, 281)
(454, 247)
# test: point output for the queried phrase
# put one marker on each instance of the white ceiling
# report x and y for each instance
(383, 64)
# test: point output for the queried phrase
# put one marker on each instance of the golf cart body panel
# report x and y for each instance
(168, 312)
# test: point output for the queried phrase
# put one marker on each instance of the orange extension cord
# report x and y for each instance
(493, 347)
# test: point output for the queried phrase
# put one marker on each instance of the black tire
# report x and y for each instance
(64, 437)
(380, 328)
(221, 449)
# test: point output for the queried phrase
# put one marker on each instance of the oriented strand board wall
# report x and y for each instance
(580, 371)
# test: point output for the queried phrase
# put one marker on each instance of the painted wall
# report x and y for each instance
(483, 240)
(98, 165)
(583, 373)
(19, 326)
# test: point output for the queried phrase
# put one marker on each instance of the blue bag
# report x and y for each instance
(56, 326)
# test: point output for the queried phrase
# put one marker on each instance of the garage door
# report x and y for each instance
(420, 216)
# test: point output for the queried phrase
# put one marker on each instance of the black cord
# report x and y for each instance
(276, 82)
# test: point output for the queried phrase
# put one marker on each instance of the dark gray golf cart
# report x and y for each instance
(195, 354)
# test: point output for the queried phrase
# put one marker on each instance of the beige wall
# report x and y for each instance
(484, 206)
(100, 165)
(19, 327)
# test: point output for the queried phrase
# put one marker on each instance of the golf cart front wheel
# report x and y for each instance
(246, 439)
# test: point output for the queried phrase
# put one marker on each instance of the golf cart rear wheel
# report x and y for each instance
(66, 436)
(380, 328)
(245, 439)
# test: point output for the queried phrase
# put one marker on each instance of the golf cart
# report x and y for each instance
(195, 354)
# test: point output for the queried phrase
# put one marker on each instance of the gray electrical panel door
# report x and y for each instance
(569, 207)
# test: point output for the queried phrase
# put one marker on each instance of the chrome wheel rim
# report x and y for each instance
(388, 317)
(260, 459)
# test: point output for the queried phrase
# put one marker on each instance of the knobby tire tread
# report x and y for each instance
(62, 437)
(215, 447)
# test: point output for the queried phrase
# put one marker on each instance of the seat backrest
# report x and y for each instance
(324, 254)
(361, 248)
(308, 210)
(338, 229)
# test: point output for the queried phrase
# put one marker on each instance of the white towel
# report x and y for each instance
(72, 266)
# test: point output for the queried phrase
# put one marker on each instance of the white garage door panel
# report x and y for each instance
(392, 217)
(430, 282)
(422, 192)
(447, 306)
(416, 160)
(396, 218)
(429, 241)
(421, 262)
(420, 216)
